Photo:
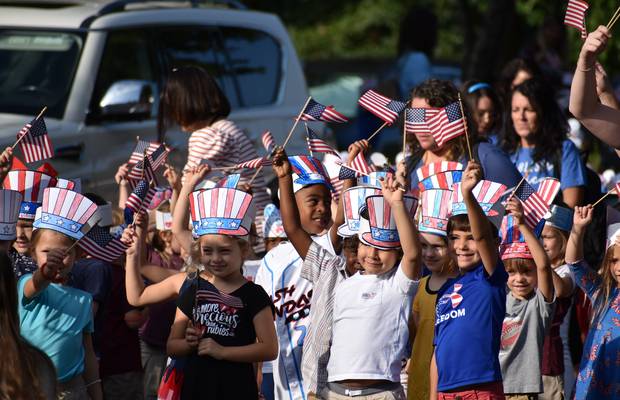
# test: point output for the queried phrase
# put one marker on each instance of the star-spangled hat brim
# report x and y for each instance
(367, 239)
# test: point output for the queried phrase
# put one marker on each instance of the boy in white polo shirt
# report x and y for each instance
(369, 331)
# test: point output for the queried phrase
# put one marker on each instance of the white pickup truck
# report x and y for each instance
(99, 66)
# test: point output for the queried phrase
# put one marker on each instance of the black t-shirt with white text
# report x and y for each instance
(227, 319)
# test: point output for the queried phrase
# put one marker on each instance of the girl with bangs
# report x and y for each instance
(599, 371)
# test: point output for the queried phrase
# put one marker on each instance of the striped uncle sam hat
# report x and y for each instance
(10, 202)
(373, 178)
(308, 171)
(379, 230)
(31, 185)
(222, 211)
(439, 175)
(67, 212)
(434, 211)
(273, 227)
(513, 243)
(353, 200)
(487, 194)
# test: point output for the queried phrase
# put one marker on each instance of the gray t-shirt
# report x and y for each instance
(523, 333)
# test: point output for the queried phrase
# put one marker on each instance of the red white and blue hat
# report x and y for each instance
(439, 175)
(379, 230)
(434, 211)
(273, 227)
(71, 184)
(10, 202)
(613, 226)
(561, 218)
(374, 178)
(353, 200)
(487, 194)
(31, 185)
(67, 212)
(308, 171)
(222, 211)
(513, 242)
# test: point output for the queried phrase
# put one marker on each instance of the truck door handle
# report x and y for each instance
(70, 152)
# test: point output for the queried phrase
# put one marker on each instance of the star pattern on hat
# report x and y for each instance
(45, 218)
(233, 224)
(59, 222)
(73, 226)
(26, 208)
(7, 229)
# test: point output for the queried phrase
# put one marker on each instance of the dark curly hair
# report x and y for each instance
(440, 93)
(552, 124)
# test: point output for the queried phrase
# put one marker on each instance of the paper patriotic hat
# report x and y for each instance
(613, 226)
(513, 243)
(561, 218)
(221, 211)
(67, 212)
(373, 178)
(31, 185)
(439, 175)
(10, 202)
(308, 171)
(163, 221)
(273, 227)
(353, 200)
(487, 193)
(434, 211)
(71, 184)
(379, 230)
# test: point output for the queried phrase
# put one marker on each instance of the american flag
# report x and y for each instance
(268, 141)
(318, 112)
(138, 152)
(447, 123)
(150, 164)
(229, 181)
(347, 173)
(138, 200)
(337, 185)
(548, 188)
(381, 106)
(36, 144)
(415, 120)
(100, 244)
(255, 163)
(576, 16)
(360, 164)
(534, 206)
(317, 145)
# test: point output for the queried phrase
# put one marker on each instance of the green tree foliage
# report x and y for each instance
(349, 29)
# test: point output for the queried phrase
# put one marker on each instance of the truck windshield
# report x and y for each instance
(36, 70)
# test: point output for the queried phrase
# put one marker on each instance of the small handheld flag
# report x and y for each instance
(138, 153)
(35, 142)
(100, 244)
(576, 16)
(381, 106)
(268, 141)
(318, 112)
(138, 200)
(317, 145)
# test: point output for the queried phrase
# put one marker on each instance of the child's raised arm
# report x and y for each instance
(300, 239)
(180, 215)
(123, 184)
(480, 224)
(409, 239)
(174, 180)
(581, 219)
(543, 265)
(6, 160)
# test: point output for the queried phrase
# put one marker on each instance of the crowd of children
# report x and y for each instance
(455, 275)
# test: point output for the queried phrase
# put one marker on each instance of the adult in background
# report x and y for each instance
(486, 107)
(192, 99)
(535, 138)
(496, 166)
(25, 371)
(592, 102)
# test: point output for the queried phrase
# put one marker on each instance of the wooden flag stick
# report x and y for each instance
(613, 19)
(404, 137)
(377, 131)
(260, 167)
(22, 136)
(71, 247)
(296, 122)
(604, 197)
(465, 126)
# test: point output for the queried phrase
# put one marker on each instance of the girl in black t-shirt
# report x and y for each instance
(223, 324)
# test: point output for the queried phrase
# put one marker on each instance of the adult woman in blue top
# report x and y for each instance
(496, 166)
(535, 139)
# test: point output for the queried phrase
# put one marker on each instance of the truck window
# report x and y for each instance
(127, 55)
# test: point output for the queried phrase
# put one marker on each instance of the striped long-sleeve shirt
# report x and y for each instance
(224, 144)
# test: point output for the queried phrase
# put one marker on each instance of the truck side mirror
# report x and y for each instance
(128, 100)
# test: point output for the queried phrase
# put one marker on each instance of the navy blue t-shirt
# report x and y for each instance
(496, 166)
(468, 326)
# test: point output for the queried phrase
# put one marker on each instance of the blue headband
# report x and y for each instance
(478, 86)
